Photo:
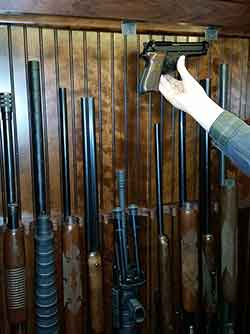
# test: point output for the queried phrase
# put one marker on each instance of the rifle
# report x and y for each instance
(95, 269)
(229, 227)
(73, 299)
(189, 239)
(161, 58)
(208, 261)
(46, 290)
(14, 252)
(166, 316)
(127, 311)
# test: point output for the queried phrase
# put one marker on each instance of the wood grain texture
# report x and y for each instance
(229, 15)
(87, 63)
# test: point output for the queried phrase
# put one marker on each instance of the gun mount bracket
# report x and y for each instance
(211, 34)
(128, 28)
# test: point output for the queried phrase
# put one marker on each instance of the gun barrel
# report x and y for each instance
(223, 102)
(158, 165)
(92, 216)
(133, 216)
(64, 152)
(90, 183)
(189, 48)
(182, 159)
(121, 185)
(204, 161)
(46, 290)
(164, 247)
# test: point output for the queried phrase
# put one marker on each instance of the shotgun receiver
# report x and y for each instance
(95, 268)
(73, 298)
(14, 254)
(161, 58)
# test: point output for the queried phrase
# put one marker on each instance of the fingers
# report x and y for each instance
(182, 69)
(171, 84)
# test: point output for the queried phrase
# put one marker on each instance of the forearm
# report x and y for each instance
(232, 136)
(206, 113)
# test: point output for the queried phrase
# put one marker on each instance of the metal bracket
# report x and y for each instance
(211, 34)
(128, 28)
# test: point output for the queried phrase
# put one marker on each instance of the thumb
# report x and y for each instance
(182, 69)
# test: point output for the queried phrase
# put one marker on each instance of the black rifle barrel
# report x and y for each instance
(158, 162)
(9, 157)
(223, 102)
(205, 193)
(37, 137)
(90, 175)
(117, 215)
(133, 215)
(182, 159)
(64, 152)
(121, 187)
(46, 290)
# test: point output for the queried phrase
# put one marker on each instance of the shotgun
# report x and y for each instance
(208, 247)
(166, 316)
(95, 268)
(14, 252)
(188, 216)
(46, 298)
(72, 268)
(229, 227)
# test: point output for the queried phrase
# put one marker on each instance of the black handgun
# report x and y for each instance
(161, 58)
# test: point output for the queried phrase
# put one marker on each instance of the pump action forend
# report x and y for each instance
(161, 58)
(14, 253)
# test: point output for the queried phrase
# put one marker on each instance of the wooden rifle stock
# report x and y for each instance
(72, 267)
(165, 284)
(96, 292)
(229, 240)
(189, 250)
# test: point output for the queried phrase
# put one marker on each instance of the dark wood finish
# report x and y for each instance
(189, 251)
(111, 124)
(96, 304)
(72, 278)
(230, 15)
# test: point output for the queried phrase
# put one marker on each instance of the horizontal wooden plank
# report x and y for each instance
(231, 15)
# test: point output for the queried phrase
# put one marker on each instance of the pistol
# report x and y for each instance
(161, 58)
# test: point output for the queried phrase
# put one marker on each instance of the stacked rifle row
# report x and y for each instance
(208, 259)
(127, 311)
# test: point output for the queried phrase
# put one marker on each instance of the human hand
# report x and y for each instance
(188, 95)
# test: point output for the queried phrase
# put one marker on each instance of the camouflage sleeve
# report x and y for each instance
(232, 136)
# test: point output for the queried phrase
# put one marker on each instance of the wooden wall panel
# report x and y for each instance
(106, 65)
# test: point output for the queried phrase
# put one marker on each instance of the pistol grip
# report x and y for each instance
(151, 76)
